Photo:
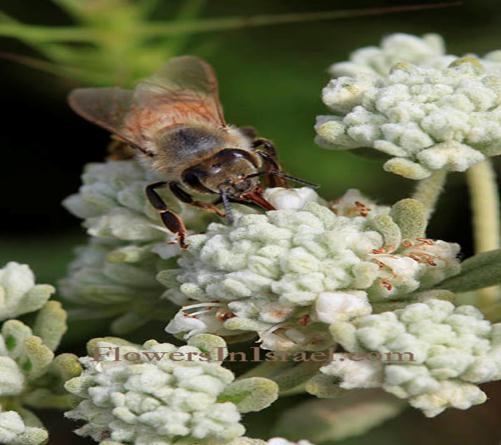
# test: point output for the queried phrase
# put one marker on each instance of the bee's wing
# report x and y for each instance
(185, 88)
(106, 107)
(184, 91)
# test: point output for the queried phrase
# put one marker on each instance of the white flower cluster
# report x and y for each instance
(18, 292)
(14, 431)
(127, 241)
(286, 273)
(279, 441)
(410, 100)
(112, 203)
(160, 397)
(426, 118)
(249, 441)
(431, 353)
(30, 374)
(100, 284)
(274, 441)
(428, 50)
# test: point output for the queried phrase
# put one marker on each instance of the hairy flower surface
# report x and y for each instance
(108, 279)
(279, 441)
(111, 201)
(160, 397)
(30, 374)
(426, 119)
(113, 276)
(428, 50)
(113, 205)
(18, 292)
(287, 273)
(14, 430)
(433, 354)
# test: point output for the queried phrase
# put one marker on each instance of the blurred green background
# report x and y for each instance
(270, 78)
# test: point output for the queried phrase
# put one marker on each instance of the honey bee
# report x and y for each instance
(174, 120)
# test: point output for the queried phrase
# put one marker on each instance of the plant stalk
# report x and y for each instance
(428, 191)
(484, 195)
(41, 34)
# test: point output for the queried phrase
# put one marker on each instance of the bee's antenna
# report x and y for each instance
(294, 178)
(227, 207)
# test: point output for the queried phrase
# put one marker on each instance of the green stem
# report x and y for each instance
(41, 34)
(484, 194)
(428, 191)
(228, 23)
(267, 369)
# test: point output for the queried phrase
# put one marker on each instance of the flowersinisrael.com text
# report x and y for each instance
(256, 354)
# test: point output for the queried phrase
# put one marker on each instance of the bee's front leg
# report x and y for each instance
(185, 197)
(172, 221)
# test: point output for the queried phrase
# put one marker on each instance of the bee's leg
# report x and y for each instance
(172, 221)
(266, 150)
(185, 197)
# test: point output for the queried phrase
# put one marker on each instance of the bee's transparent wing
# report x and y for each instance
(183, 92)
(106, 107)
(188, 86)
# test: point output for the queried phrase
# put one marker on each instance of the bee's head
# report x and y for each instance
(231, 171)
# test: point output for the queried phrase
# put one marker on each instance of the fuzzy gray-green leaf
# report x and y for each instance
(251, 394)
(411, 216)
(477, 272)
(336, 419)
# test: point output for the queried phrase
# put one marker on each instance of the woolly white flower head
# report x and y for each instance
(426, 119)
(107, 278)
(376, 61)
(274, 441)
(14, 430)
(18, 292)
(431, 353)
(286, 273)
(165, 395)
(30, 374)
(427, 50)
(127, 241)
(112, 203)
(279, 441)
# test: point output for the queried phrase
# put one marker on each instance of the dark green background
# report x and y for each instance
(270, 78)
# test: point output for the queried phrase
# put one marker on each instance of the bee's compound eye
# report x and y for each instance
(232, 154)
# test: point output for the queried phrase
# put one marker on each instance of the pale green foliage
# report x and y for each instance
(331, 420)
(477, 272)
(113, 48)
(117, 42)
